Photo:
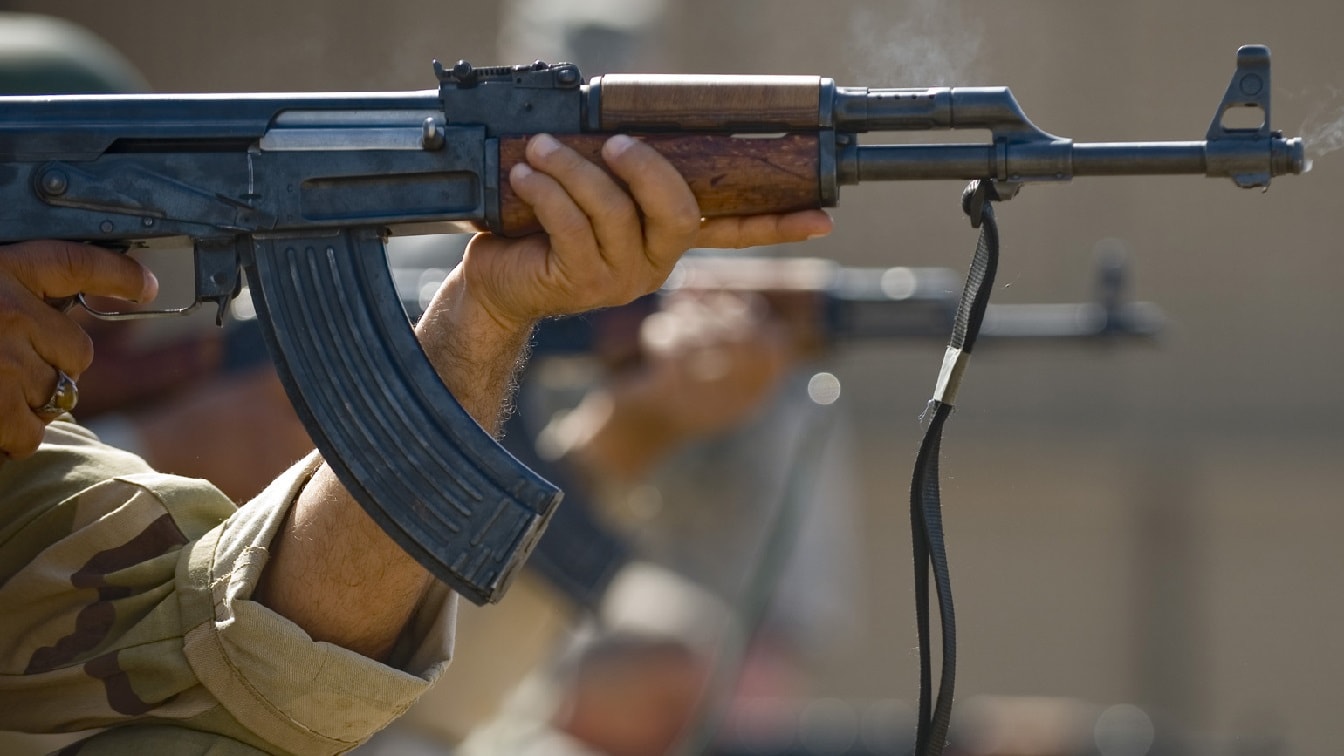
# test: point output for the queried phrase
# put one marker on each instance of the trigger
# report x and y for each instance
(223, 304)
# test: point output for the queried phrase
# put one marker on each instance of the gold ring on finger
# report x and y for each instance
(63, 398)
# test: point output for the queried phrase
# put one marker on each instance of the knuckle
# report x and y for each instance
(620, 211)
(685, 223)
(80, 351)
(568, 225)
(654, 280)
(59, 268)
(69, 262)
(12, 374)
(21, 438)
(25, 445)
(12, 319)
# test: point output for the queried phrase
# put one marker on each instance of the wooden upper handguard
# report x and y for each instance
(638, 102)
(728, 175)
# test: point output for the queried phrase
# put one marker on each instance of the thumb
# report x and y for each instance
(59, 269)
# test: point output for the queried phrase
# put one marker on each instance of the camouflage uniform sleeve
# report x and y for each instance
(126, 597)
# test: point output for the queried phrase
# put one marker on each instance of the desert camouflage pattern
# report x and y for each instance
(125, 598)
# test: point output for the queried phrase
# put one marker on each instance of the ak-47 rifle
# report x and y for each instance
(300, 191)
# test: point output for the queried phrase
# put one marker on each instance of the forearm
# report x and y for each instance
(332, 570)
(477, 355)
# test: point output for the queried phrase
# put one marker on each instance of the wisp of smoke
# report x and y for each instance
(1323, 130)
(930, 43)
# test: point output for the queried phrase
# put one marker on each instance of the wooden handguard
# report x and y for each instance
(635, 102)
(729, 175)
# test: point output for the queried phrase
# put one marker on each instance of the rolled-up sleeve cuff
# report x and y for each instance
(301, 695)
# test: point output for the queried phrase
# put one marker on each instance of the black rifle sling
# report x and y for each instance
(926, 519)
(422, 468)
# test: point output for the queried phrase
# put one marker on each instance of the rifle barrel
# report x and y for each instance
(1059, 160)
(1139, 158)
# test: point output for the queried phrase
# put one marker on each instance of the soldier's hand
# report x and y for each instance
(604, 245)
(39, 344)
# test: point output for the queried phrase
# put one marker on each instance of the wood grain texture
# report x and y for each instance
(629, 102)
(728, 175)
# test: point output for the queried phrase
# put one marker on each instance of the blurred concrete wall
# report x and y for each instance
(1149, 524)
